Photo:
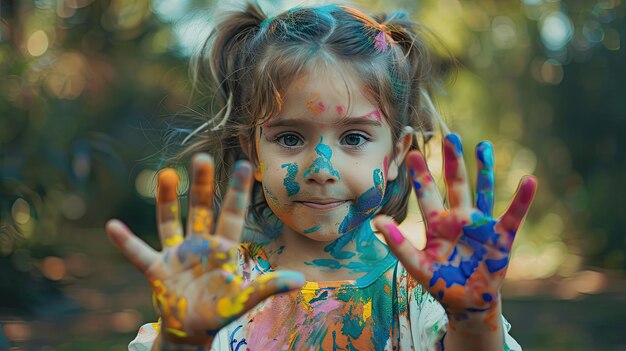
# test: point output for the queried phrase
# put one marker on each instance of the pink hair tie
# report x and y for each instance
(380, 42)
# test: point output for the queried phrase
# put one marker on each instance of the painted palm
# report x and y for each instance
(197, 289)
(467, 250)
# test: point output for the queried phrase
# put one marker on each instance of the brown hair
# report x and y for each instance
(251, 59)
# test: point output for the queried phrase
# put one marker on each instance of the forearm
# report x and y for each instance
(479, 331)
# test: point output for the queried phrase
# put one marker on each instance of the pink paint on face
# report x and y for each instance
(386, 164)
(340, 110)
(374, 115)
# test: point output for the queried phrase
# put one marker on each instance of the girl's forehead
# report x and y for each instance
(326, 94)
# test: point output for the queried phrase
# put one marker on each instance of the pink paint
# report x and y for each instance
(395, 234)
(386, 165)
(380, 42)
(340, 110)
(374, 115)
(321, 107)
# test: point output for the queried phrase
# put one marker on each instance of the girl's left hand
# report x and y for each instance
(467, 251)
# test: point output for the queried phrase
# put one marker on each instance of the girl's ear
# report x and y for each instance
(246, 146)
(402, 148)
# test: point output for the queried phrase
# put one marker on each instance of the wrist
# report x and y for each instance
(477, 321)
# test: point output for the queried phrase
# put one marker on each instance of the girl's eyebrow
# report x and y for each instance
(347, 121)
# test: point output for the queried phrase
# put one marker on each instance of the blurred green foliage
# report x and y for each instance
(87, 89)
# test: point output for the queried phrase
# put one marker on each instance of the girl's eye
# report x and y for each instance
(355, 139)
(289, 140)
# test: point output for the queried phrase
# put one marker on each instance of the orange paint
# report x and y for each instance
(167, 185)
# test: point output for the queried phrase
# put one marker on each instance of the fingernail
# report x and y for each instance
(455, 140)
(395, 234)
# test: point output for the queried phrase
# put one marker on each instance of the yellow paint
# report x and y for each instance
(227, 307)
(308, 291)
(176, 332)
(182, 308)
(156, 327)
(200, 223)
(367, 310)
(174, 208)
(173, 240)
(220, 255)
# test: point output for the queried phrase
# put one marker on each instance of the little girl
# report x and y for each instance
(323, 103)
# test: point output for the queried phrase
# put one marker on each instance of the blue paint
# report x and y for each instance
(290, 179)
(192, 248)
(453, 255)
(325, 153)
(487, 297)
(496, 265)
(416, 184)
(476, 236)
(366, 205)
(369, 250)
(455, 140)
(484, 153)
(311, 230)
(482, 231)
(320, 297)
(485, 180)
(234, 343)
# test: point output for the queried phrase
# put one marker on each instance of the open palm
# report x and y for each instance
(467, 251)
(197, 289)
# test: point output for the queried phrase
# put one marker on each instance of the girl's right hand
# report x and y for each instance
(196, 287)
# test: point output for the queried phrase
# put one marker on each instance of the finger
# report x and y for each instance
(136, 251)
(425, 188)
(233, 211)
(417, 263)
(455, 173)
(513, 216)
(168, 209)
(484, 178)
(200, 217)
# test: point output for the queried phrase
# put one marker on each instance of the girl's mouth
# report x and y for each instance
(322, 205)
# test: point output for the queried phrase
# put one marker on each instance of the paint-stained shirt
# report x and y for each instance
(391, 312)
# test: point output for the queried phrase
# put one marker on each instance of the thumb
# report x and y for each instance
(136, 251)
(273, 283)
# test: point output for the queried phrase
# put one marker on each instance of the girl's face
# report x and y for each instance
(324, 169)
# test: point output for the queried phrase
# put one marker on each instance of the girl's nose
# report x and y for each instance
(321, 169)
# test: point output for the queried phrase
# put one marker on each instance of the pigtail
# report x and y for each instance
(224, 64)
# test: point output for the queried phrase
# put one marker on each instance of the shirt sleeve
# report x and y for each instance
(148, 333)
(426, 322)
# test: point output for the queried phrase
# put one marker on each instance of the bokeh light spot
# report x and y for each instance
(53, 268)
(37, 43)
(556, 30)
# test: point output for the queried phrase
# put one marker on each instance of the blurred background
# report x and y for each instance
(88, 89)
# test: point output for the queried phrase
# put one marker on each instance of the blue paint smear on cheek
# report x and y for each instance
(311, 230)
(325, 153)
(366, 204)
(290, 179)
